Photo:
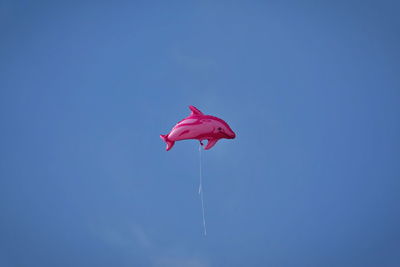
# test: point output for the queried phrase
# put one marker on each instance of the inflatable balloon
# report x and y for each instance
(200, 127)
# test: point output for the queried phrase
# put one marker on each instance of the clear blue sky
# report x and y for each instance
(311, 89)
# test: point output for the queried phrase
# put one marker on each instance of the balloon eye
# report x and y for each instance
(219, 128)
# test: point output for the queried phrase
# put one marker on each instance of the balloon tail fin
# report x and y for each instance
(170, 143)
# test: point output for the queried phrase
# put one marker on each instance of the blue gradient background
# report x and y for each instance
(312, 89)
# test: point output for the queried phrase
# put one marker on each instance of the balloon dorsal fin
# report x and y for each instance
(195, 111)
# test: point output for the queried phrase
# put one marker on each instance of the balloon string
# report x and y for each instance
(201, 191)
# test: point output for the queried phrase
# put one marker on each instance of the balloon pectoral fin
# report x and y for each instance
(211, 143)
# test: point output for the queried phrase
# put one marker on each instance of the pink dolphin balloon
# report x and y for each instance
(201, 127)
